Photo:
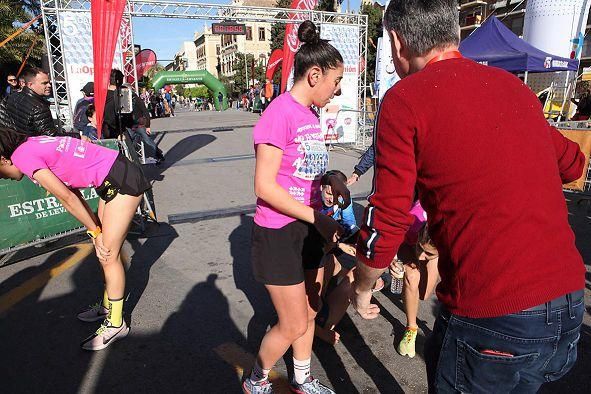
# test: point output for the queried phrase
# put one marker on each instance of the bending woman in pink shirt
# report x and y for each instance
(61, 165)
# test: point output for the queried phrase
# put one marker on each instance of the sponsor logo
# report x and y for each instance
(560, 63)
(44, 207)
(548, 62)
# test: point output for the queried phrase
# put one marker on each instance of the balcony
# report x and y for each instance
(464, 5)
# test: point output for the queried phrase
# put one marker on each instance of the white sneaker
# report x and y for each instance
(105, 335)
(94, 312)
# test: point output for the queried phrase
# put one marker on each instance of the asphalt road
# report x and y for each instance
(196, 313)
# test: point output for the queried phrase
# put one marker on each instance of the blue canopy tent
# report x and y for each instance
(495, 45)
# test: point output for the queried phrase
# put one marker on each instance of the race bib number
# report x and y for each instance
(314, 162)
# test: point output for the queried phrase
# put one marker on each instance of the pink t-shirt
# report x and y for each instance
(295, 129)
(77, 163)
(420, 218)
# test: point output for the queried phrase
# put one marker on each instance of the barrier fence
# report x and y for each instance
(29, 215)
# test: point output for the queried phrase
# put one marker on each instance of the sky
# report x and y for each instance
(165, 36)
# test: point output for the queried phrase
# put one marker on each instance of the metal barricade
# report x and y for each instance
(364, 133)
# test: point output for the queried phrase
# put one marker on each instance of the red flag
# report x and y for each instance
(274, 60)
(106, 22)
(291, 43)
(144, 61)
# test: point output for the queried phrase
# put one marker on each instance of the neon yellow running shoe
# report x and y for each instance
(406, 347)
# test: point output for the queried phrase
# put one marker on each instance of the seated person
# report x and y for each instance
(336, 297)
(418, 258)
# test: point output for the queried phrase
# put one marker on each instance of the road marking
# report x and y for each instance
(16, 295)
(240, 359)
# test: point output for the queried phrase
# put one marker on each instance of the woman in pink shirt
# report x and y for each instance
(289, 231)
(61, 165)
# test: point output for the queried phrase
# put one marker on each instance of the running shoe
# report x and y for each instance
(105, 335)
(94, 312)
(310, 386)
(406, 347)
(262, 387)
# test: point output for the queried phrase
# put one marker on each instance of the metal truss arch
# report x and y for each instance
(182, 10)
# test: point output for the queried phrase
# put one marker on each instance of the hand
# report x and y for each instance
(361, 301)
(349, 249)
(329, 228)
(352, 179)
(148, 131)
(396, 269)
(101, 251)
(339, 191)
(85, 138)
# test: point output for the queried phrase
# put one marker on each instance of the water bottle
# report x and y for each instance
(397, 279)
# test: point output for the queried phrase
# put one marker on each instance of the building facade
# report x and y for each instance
(207, 51)
(256, 42)
(186, 57)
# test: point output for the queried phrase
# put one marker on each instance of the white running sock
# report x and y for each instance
(301, 370)
(258, 373)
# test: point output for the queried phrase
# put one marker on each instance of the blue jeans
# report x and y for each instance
(515, 353)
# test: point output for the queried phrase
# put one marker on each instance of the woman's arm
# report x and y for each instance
(73, 204)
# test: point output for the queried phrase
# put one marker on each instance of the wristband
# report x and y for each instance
(94, 233)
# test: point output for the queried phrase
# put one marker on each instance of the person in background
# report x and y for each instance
(221, 101)
(89, 131)
(268, 92)
(583, 105)
(365, 163)
(28, 111)
(21, 83)
(512, 279)
(80, 119)
(12, 85)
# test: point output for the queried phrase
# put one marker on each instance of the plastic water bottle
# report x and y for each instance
(397, 279)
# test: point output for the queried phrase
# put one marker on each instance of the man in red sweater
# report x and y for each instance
(489, 171)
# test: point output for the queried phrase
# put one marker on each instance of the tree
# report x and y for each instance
(374, 31)
(13, 14)
(326, 5)
(149, 75)
(239, 78)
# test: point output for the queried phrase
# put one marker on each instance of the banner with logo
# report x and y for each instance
(144, 60)
(291, 43)
(78, 59)
(340, 117)
(28, 213)
(274, 61)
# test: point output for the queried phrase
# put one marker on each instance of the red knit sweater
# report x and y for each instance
(489, 171)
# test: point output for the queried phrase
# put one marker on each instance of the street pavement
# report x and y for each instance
(196, 313)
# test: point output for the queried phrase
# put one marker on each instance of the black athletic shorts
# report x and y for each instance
(125, 177)
(280, 256)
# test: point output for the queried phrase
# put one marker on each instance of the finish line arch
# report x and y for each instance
(201, 77)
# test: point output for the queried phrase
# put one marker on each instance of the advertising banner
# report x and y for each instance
(28, 213)
(291, 43)
(144, 61)
(339, 118)
(78, 59)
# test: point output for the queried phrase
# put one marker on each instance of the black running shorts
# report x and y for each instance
(125, 177)
(280, 256)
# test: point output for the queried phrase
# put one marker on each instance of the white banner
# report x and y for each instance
(77, 47)
(339, 118)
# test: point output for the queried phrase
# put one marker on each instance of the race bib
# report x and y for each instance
(314, 162)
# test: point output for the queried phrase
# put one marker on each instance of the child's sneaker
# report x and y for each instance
(105, 335)
(310, 386)
(94, 312)
(262, 387)
(406, 347)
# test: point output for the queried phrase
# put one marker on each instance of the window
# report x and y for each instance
(217, 50)
(249, 33)
(261, 34)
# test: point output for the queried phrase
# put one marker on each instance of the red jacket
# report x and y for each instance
(489, 170)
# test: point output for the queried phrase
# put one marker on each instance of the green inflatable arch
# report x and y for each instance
(199, 76)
